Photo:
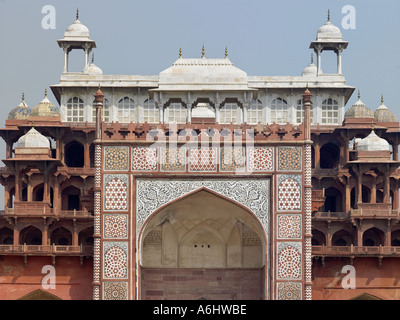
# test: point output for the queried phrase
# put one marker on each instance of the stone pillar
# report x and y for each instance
(66, 49)
(373, 190)
(386, 189)
(339, 61)
(16, 233)
(318, 51)
(45, 234)
(388, 238)
(395, 152)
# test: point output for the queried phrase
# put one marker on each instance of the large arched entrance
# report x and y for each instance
(202, 246)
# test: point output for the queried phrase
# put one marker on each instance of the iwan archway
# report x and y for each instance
(204, 245)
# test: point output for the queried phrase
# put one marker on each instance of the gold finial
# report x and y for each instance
(33, 124)
(359, 94)
(23, 96)
(45, 93)
(226, 52)
(77, 13)
(382, 98)
(203, 52)
(180, 52)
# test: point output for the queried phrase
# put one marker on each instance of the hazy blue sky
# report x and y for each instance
(143, 37)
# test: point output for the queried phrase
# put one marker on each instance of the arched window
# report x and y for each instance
(150, 112)
(70, 198)
(300, 112)
(318, 238)
(106, 111)
(330, 112)
(126, 110)
(61, 237)
(229, 113)
(373, 237)
(31, 236)
(342, 238)
(279, 111)
(74, 154)
(176, 113)
(329, 156)
(255, 114)
(6, 236)
(75, 109)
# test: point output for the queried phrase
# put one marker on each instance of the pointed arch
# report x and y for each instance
(39, 294)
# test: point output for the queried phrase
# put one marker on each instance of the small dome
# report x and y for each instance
(33, 139)
(92, 68)
(310, 70)
(373, 143)
(203, 110)
(383, 114)
(77, 30)
(329, 32)
(45, 109)
(359, 110)
(21, 112)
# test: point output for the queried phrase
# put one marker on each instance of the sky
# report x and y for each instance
(143, 37)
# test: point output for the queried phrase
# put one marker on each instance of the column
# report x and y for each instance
(373, 190)
(317, 150)
(16, 233)
(388, 238)
(86, 153)
(339, 61)
(396, 152)
(319, 60)
(75, 238)
(386, 189)
(45, 233)
(347, 199)
(359, 187)
(66, 58)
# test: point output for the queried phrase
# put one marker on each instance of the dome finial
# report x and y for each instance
(45, 92)
(93, 57)
(382, 98)
(312, 58)
(329, 15)
(226, 52)
(23, 96)
(77, 13)
(203, 52)
(180, 52)
(359, 94)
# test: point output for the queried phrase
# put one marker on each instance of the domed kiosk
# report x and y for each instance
(76, 36)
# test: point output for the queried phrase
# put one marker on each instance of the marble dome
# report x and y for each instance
(329, 32)
(33, 139)
(310, 70)
(373, 143)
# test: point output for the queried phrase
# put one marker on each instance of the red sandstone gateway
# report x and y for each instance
(200, 183)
